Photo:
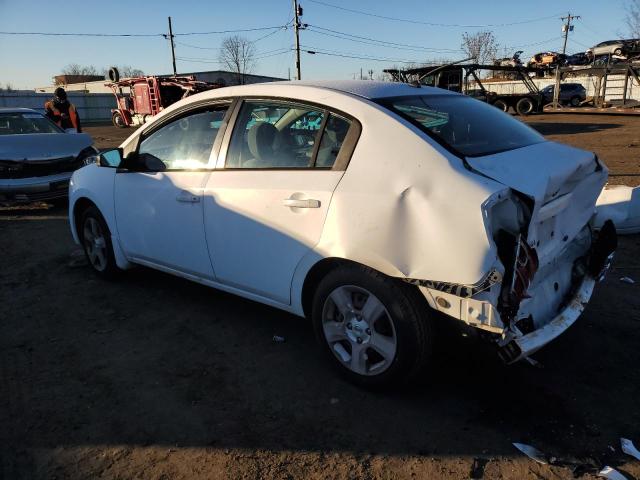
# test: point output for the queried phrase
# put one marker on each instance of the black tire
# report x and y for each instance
(617, 51)
(406, 314)
(574, 101)
(118, 120)
(525, 106)
(113, 74)
(109, 269)
(502, 105)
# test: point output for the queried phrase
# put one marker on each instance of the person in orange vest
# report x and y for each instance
(62, 112)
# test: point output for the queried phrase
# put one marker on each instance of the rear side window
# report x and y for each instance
(273, 134)
(467, 126)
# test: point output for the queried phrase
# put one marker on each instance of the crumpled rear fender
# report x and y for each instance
(420, 216)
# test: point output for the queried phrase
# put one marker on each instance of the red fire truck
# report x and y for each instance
(139, 98)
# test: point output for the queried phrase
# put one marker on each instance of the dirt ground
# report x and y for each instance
(154, 377)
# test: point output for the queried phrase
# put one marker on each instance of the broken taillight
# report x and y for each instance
(520, 275)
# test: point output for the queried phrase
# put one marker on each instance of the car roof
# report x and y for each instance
(362, 88)
(18, 110)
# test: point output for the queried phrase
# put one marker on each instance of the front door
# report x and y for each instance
(159, 214)
(266, 207)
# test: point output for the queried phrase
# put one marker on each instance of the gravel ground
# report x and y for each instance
(155, 377)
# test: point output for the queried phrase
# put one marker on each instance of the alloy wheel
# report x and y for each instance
(359, 330)
(95, 244)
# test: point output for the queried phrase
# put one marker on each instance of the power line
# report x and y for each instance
(536, 43)
(216, 32)
(419, 22)
(284, 27)
(70, 34)
(374, 59)
(73, 34)
(206, 60)
(374, 41)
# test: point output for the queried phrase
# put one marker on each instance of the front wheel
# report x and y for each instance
(375, 329)
(118, 120)
(96, 241)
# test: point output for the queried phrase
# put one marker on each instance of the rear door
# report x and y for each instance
(266, 205)
(159, 214)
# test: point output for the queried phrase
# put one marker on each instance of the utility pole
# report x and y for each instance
(173, 48)
(566, 28)
(296, 26)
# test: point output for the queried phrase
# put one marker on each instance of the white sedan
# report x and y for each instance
(371, 208)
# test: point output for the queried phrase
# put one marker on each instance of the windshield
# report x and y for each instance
(20, 123)
(465, 125)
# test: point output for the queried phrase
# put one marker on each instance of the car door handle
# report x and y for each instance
(297, 203)
(187, 197)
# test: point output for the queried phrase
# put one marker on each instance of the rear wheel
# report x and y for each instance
(524, 106)
(574, 101)
(617, 51)
(501, 104)
(375, 329)
(96, 242)
(118, 120)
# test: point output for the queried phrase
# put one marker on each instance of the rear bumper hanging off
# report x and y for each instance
(599, 263)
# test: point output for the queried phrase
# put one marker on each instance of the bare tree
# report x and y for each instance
(480, 45)
(128, 71)
(75, 69)
(633, 18)
(238, 55)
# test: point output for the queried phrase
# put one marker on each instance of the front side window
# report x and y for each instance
(274, 135)
(467, 126)
(185, 143)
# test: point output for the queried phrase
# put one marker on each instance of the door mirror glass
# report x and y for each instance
(110, 158)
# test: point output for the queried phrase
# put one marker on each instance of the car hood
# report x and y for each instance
(564, 183)
(42, 146)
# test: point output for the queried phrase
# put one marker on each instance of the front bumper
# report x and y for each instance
(23, 190)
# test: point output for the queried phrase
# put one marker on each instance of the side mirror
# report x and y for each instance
(143, 162)
(110, 158)
(151, 163)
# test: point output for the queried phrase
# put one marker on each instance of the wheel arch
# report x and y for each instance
(79, 206)
(321, 268)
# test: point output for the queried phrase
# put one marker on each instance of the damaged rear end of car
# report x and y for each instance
(548, 256)
(543, 233)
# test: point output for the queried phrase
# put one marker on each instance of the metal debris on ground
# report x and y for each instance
(629, 448)
(278, 339)
(627, 280)
(611, 474)
(532, 452)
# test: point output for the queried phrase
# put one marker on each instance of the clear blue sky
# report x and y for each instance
(30, 61)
